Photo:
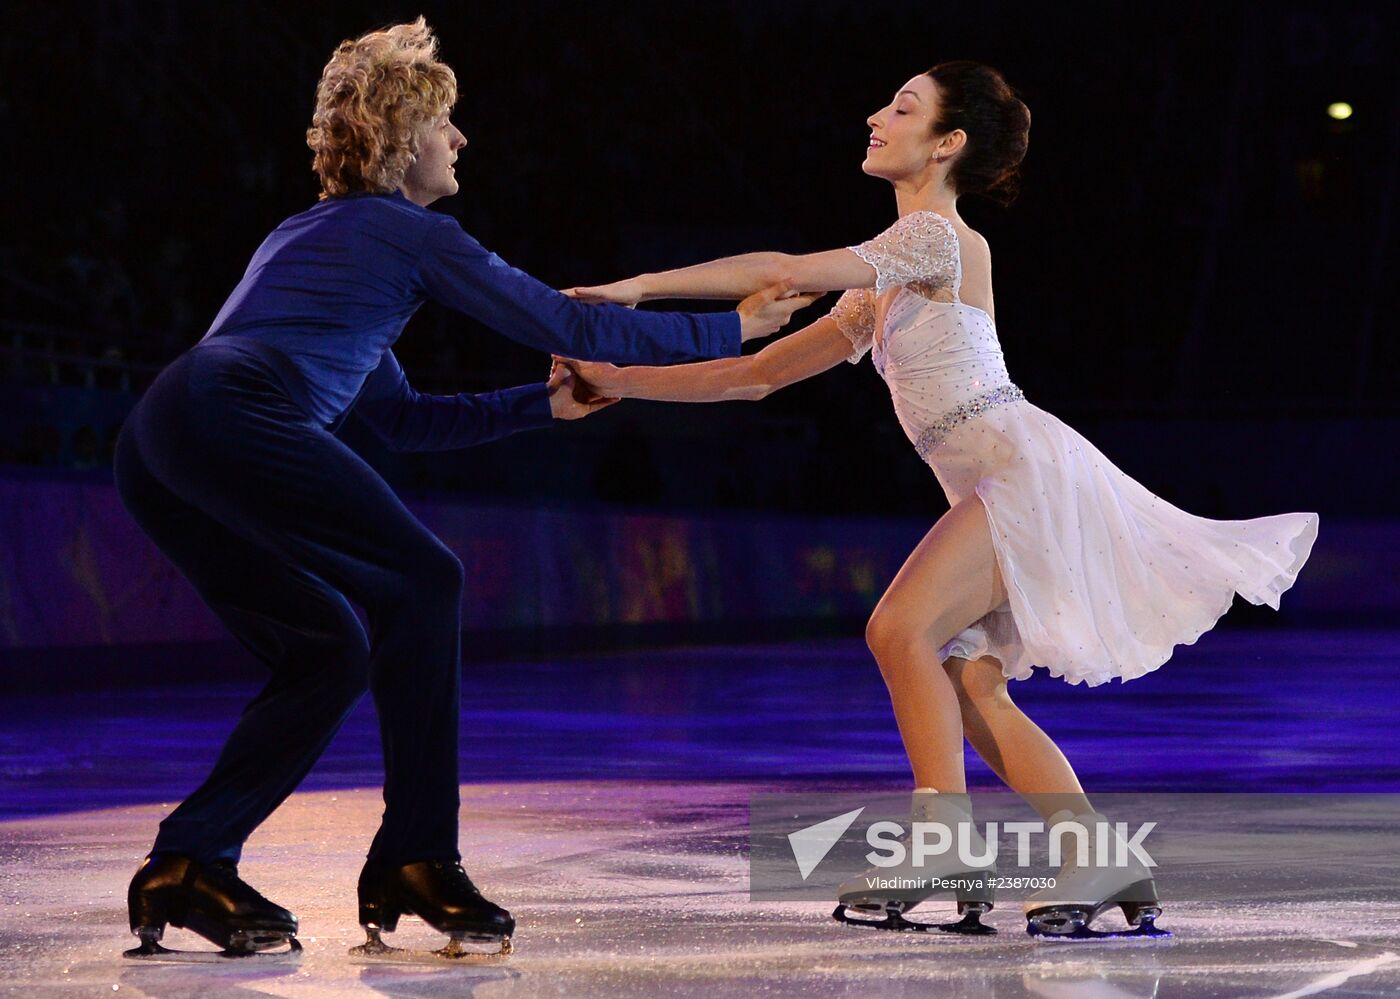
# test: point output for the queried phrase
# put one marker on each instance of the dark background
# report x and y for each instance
(1198, 247)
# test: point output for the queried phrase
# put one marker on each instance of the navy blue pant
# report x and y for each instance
(277, 523)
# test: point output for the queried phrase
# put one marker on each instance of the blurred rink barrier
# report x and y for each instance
(76, 574)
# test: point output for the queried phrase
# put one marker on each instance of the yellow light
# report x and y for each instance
(1341, 110)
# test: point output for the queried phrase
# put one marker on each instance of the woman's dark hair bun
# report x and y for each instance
(978, 100)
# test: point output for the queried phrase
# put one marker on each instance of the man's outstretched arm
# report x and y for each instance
(458, 272)
(409, 420)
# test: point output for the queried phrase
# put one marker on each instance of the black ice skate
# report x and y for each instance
(210, 900)
(1083, 892)
(438, 892)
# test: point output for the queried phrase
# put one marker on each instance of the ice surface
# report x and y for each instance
(635, 889)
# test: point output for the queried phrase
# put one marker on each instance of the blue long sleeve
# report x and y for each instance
(333, 287)
(461, 274)
(408, 420)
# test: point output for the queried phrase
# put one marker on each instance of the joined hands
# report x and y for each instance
(592, 380)
(569, 397)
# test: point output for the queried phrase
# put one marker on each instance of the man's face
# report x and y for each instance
(431, 175)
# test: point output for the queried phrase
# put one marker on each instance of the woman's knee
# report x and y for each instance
(878, 632)
(893, 639)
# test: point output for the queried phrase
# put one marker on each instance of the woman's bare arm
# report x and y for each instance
(809, 351)
(736, 277)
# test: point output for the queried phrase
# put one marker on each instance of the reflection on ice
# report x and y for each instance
(626, 888)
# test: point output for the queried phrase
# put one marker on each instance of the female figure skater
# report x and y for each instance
(230, 464)
(1049, 555)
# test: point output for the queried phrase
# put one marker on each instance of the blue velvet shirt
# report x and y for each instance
(333, 287)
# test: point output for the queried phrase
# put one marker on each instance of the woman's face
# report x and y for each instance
(902, 142)
(431, 175)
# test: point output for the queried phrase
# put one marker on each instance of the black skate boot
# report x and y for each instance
(210, 900)
(437, 892)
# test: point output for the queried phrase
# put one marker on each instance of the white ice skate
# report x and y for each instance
(1112, 875)
(965, 873)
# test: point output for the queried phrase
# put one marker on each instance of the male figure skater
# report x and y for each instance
(230, 464)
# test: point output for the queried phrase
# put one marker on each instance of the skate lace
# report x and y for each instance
(225, 874)
(457, 877)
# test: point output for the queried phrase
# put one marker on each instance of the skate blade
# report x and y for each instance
(969, 925)
(375, 951)
(152, 952)
(1147, 930)
(1085, 935)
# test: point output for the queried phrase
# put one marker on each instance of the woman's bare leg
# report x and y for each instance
(1015, 747)
(950, 580)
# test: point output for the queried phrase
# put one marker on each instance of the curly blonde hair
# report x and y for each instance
(374, 93)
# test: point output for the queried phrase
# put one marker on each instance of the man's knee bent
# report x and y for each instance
(341, 658)
(435, 575)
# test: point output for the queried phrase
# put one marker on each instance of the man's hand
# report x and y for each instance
(593, 380)
(570, 399)
(767, 311)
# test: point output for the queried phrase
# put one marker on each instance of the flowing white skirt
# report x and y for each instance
(1103, 578)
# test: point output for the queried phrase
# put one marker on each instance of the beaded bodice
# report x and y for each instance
(941, 360)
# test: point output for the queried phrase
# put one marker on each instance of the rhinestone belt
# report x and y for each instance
(937, 432)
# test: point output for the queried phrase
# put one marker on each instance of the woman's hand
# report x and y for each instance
(628, 292)
(768, 310)
(569, 397)
(593, 379)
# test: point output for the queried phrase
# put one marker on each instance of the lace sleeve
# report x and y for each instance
(920, 249)
(855, 314)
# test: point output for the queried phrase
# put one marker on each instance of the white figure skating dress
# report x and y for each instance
(1103, 578)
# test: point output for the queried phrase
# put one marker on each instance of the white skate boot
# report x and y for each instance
(941, 821)
(1113, 875)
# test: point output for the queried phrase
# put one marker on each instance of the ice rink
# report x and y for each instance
(618, 835)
